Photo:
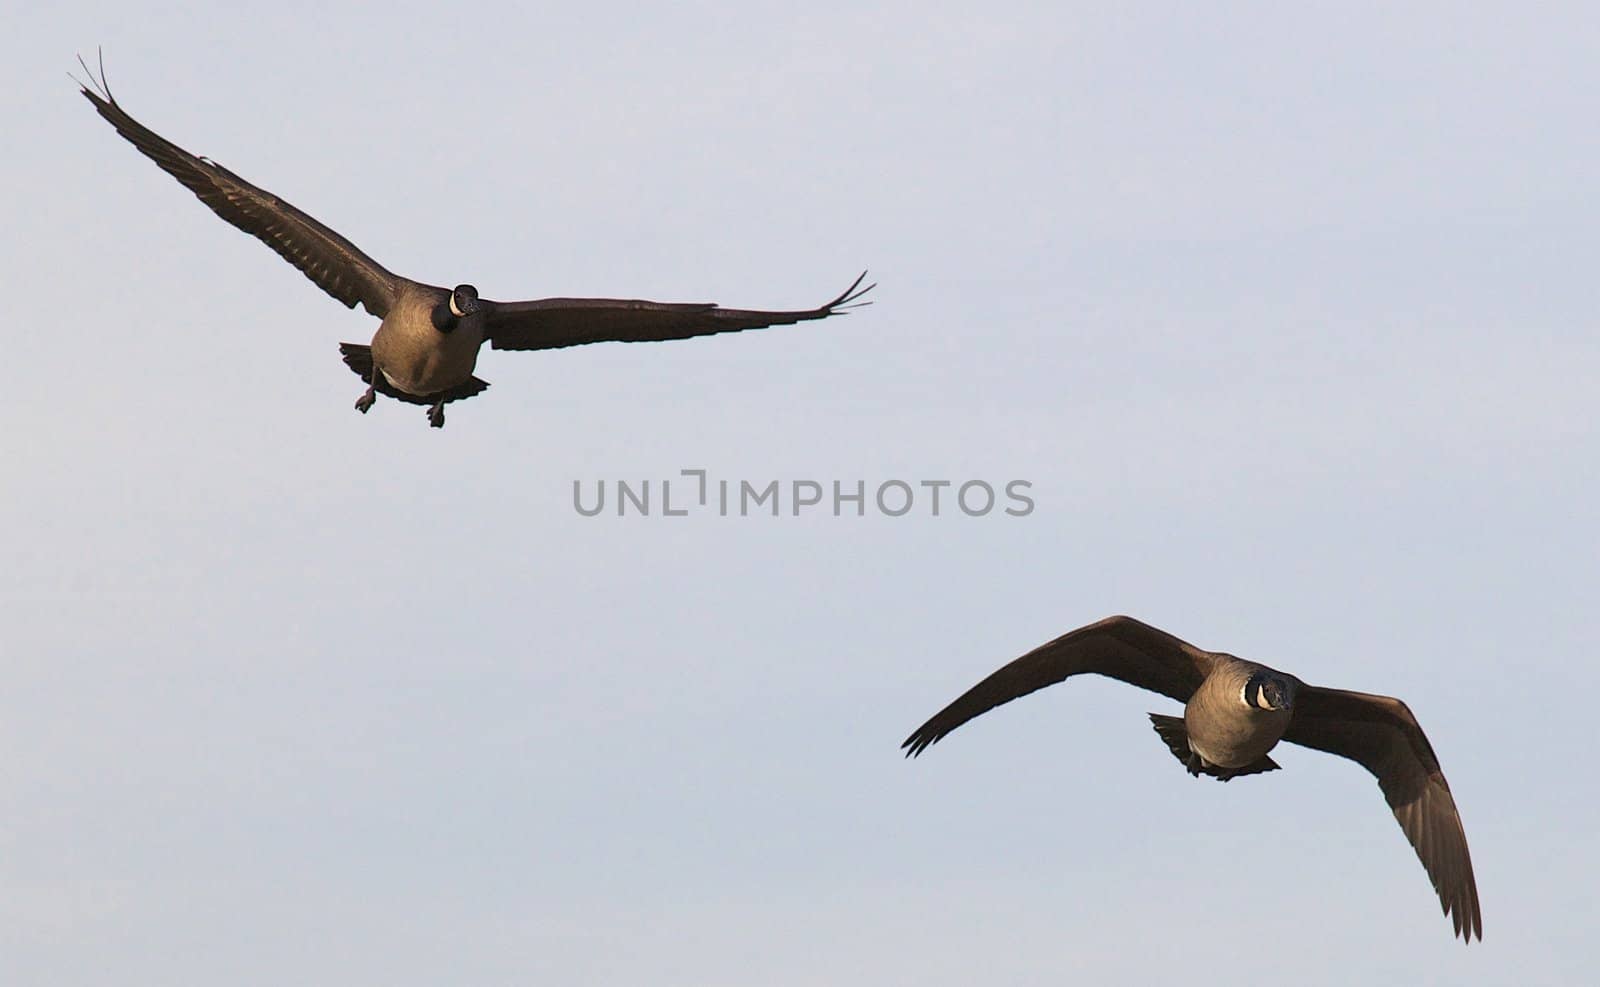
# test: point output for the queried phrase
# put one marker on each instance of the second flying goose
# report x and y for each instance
(1235, 711)
(426, 347)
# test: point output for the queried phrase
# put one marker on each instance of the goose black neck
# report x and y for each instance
(445, 320)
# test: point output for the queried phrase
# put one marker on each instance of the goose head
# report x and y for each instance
(1267, 691)
(459, 304)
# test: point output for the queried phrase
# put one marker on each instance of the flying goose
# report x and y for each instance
(426, 347)
(1235, 711)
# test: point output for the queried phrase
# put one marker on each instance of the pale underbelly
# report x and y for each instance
(1236, 746)
(429, 368)
(430, 381)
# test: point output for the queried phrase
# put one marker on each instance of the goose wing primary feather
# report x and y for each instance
(549, 323)
(334, 263)
(1117, 647)
(1380, 734)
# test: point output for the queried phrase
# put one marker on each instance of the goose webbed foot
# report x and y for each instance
(366, 400)
(1194, 764)
(436, 415)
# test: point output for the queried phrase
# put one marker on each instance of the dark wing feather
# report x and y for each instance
(1380, 733)
(327, 258)
(549, 323)
(1118, 647)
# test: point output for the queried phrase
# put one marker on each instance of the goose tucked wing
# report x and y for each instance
(1118, 647)
(327, 258)
(549, 323)
(1380, 734)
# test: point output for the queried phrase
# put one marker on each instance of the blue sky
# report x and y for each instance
(1287, 317)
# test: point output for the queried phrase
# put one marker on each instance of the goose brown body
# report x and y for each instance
(1225, 732)
(416, 357)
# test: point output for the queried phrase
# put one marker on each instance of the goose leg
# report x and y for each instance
(436, 414)
(365, 401)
